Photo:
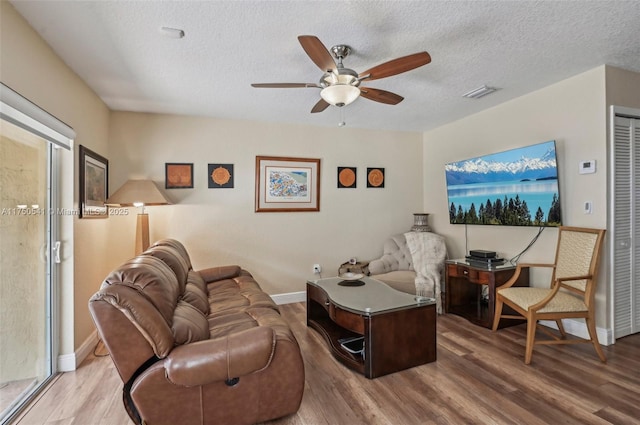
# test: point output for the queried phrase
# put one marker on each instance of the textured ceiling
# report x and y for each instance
(519, 47)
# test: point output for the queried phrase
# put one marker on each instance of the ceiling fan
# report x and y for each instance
(341, 86)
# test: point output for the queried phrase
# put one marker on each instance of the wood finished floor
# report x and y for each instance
(479, 378)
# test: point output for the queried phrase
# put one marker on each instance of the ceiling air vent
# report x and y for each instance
(479, 92)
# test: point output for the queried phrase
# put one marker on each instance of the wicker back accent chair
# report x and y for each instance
(570, 294)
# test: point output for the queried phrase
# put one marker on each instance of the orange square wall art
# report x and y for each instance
(178, 175)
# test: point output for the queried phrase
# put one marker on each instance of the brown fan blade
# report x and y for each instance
(283, 85)
(381, 96)
(396, 66)
(317, 52)
(320, 106)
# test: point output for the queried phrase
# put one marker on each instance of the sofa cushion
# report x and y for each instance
(400, 280)
(189, 324)
(174, 260)
(224, 324)
(237, 294)
(196, 279)
(152, 277)
(178, 246)
(146, 291)
(196, 297)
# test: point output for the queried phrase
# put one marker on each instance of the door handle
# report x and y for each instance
(56, 252)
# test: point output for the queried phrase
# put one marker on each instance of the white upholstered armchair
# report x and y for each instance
(395, 267)
(412, 262)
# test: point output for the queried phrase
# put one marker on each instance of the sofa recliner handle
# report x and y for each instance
(221, 359)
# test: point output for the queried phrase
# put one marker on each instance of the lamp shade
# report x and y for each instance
(136, 192)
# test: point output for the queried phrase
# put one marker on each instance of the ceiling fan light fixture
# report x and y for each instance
(340, 94)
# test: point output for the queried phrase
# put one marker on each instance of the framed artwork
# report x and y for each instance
(178, 175)
(220, 176)
(347, 177)
(287, 184)
(375, 177)
(94, 184)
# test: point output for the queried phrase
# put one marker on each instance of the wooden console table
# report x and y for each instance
(464, 291)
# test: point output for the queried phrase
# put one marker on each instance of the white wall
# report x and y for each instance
(219, 226)
(572, 112)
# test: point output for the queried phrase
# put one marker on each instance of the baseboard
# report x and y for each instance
(290, 297)
(579, 328)
(70, 362)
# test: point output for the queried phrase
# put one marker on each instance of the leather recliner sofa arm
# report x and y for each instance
(219, 273)
(220, 359)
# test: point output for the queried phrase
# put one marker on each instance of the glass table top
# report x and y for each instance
(464, 262)
(371, 298)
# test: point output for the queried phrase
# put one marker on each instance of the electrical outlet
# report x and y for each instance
(317, 268)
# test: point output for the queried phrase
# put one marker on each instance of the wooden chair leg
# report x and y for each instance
(591, 327)
(497, 314)
(531, 336)
(561, 328)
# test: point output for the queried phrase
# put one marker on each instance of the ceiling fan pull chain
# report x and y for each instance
(342, 123)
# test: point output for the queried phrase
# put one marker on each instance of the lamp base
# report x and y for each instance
(142, 233)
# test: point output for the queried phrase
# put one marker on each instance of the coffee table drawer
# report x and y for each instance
(346, 319)
(318, 295)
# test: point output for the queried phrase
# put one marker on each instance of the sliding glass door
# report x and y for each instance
(26, 212)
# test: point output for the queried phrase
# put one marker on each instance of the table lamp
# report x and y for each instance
(138, 193)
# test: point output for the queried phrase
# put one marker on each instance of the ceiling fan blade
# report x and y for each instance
(283, 85)
(381, 96)
(320, 106)
(317, 52)
(396, 66)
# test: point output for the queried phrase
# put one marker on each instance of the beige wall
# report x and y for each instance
(623, 87)
(572, 112)
(219, 226)
(29, 66)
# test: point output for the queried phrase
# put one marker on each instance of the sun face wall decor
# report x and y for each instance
(220, 176)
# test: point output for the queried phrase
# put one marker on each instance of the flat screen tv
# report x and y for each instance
(518, 187)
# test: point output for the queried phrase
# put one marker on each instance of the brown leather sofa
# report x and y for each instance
(196, 347)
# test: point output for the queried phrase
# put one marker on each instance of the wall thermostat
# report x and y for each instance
(587, 167)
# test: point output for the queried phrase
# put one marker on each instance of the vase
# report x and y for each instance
(420, 223)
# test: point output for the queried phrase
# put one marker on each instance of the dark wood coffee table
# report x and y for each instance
(399, 331)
